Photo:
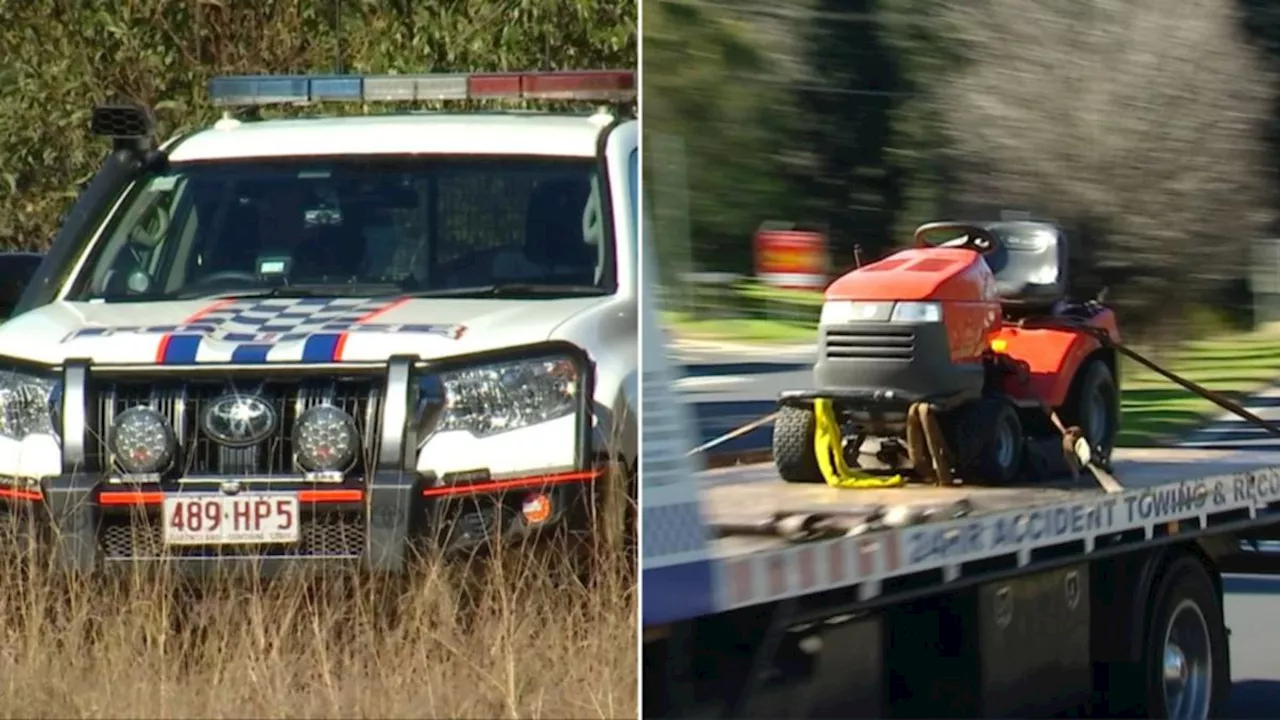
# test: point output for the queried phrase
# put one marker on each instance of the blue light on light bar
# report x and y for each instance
(248, 90)
(337, 88)
(258, 90)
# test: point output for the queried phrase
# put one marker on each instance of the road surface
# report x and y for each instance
(732, 387)
(729, 392)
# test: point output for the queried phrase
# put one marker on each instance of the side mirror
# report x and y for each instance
(16, 271)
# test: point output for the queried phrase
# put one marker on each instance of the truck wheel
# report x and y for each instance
(989, 442)
(1092, 405)
(1185, 659)
(793, 436)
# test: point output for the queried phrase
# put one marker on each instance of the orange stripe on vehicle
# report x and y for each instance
(130, 497)
(12, 493)
(162, 349)
(155, 497)
(534, 481)
(367, 317)
(331, 496)
(193, 318)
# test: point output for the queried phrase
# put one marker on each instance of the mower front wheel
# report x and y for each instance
(989, 442)
(793, 452)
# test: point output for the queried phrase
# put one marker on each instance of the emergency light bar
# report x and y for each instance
(254, 90)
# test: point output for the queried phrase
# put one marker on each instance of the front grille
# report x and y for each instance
(184, 400)
(880, 343)
(330, 535)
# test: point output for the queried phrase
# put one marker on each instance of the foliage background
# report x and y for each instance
(1144, 127)
(61, 57)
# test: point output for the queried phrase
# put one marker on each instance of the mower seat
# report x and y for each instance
(1030, 264)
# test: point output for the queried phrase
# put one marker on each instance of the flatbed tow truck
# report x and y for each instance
(1095, 594)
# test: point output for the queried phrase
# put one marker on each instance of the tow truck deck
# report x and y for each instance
(863, 569)
(764, 598)
(1167, 492)
(749, 494)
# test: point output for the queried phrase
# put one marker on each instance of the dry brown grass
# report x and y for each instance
(518, 634)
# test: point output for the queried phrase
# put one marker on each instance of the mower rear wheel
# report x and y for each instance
(1093, 406)
(793, 452)
(989, 442)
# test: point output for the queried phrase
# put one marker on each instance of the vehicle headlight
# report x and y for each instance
(27, 405)
(917, 312)
(325, 439)
(142, 441)
(842, 312)
(496, 398)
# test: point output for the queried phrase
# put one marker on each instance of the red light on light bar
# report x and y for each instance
(581, 85)
(617, 85)
(493, 85)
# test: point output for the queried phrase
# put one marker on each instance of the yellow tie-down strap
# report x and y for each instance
(826, 445)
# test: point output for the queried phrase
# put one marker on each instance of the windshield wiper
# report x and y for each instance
(531, 290)
(283, 291)
(301, 291)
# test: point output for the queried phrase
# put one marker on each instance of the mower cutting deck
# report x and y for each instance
(958, 358)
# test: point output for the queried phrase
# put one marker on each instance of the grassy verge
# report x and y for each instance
(802, 299)
(749, 313)
(754, 331)
(514, 635)
(1156, 411)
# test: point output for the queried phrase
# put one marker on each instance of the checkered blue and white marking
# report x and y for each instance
(263, 330)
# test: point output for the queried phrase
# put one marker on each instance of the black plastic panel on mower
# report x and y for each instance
(862, 398)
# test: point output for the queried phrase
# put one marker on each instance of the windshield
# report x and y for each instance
(352, 226)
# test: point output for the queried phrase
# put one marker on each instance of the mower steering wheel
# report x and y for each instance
(972, 237)
(980, 244)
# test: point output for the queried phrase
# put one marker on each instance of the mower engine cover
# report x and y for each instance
(915, 324)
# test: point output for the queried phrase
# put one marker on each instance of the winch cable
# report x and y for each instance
(736, 432)
(1217, 399)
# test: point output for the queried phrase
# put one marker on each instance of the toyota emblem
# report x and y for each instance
(239, 420)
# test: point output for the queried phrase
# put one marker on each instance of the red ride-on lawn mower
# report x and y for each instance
(960, 357)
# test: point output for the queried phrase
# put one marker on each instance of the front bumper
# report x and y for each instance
(84, 526)
(891, 363)
(377, 516)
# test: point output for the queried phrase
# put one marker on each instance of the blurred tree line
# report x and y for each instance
(1146, 128)
(61, 57)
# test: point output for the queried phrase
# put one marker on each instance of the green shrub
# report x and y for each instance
(61, 57)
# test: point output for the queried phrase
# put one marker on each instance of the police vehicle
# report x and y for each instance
(332, 338)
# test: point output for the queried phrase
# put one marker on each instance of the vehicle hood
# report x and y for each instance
(280, 330)
(945, 274)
